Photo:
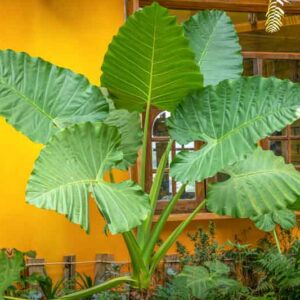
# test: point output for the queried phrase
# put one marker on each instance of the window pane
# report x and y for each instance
(283, 69)
(248, 67)
(159, 125)
(295, 128)
(295, 152)
(279, 148)
(158, 149)
(189, 192)
(166, 188)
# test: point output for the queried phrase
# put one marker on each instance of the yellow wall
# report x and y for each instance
(73, 34)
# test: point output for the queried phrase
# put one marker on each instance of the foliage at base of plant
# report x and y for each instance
(208, 271)
(249, 273)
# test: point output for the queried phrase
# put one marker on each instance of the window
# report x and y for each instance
(264, 54)
(157, 142)
(286, 143)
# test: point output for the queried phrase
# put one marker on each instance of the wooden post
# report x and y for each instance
(102, 265)
(36, 265)
(69, 268)
(131, 7)
(171, 264)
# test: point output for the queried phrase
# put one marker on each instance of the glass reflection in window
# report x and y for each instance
(159, 125)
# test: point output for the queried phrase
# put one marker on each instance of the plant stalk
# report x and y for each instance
(144, 147)
(13, 298)
(159, 226)
(142, 179)
(111, 177)
(154, 192)
(173, 237)
(277, 241)
(96, 289)
(140, 272)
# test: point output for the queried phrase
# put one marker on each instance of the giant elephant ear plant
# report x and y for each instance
(194, 72)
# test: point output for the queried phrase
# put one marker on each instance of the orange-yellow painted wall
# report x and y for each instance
(73, 34)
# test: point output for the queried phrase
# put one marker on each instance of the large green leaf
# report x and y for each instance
(259, 185)
(11, 265)
(230, 118)
(72, 165)
(214, 40)
(209, 281)
(149, 62)
(39, 98)
(284, 217)
(129, 126)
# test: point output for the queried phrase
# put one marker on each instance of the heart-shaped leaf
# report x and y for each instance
(215, 43)
(39, 98)
(230, 118)
(260, 187)
(149, 62)
(72, 165)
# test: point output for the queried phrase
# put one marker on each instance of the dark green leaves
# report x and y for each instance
(285, 218)
(212, 37)
(230, 118)
(11, 265)
(260, 187)
(72, 165)
(39, 98)
(209, 281)
(149, 62)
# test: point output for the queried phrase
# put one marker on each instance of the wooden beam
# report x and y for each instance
(202, 217)
(199, 217)
(228, 5)
(271, 55)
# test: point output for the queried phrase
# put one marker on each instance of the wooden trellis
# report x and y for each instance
(102, 264)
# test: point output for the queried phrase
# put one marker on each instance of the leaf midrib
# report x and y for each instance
(204, 52)
(256, 173)
(29, 101)
(85, 181)
(152, 63)
(215, 141)
(245, 124)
